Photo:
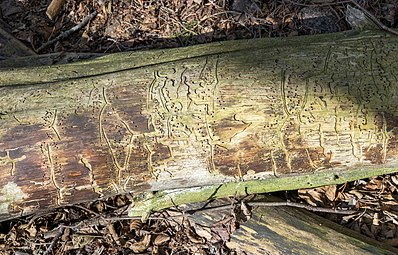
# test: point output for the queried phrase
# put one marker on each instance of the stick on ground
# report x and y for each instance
(68, 32)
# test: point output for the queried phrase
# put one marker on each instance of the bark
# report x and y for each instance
(319, 108)
(284, 230)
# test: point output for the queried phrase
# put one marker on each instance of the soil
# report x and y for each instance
(129, 25)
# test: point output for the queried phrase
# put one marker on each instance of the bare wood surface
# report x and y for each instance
(197, 116)
(279, 229)
(284, 230)
(54, 8)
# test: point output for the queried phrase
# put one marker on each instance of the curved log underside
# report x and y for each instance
(195, 116)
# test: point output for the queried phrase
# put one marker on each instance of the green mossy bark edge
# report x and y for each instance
(169, 198)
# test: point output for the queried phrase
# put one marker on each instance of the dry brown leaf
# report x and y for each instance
(31, 230)
(222, 229)
(79, 240)
(220, 234)
(356, 193)
(161, 239)
(374, 184)
(100, 206)
(319, 196)
(245, 210)
(191, 234)
(135, 224)
(112, 232)
(204, 232)
(120, 201)
(66, 234)
(394, 179)
(139, 247)
(194, 237)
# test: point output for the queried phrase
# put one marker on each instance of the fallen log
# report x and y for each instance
(285, 230)
(276, 230)
(314, 109)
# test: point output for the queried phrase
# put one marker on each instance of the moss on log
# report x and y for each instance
(197, 116)
(144, 206)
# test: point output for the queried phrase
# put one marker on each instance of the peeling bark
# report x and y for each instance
(196, 116)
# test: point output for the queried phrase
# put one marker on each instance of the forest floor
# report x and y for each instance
(131, 25)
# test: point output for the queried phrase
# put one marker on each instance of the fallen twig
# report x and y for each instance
(67, 33)
(319, 4)
(374, 19)
(282, 203)
(59, 233)
(303, 206)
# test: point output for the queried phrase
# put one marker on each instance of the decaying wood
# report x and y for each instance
(55, 8)
(279, 230)
(195, 116)
(285, 230)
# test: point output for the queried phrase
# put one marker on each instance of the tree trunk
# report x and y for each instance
(317, 110)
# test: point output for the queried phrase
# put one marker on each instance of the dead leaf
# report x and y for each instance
(204, 232)
(191, 234)
(112, 232)
(100, 205)
(394, 179)
(374, 184)
(55, 8)
(121, 201)
(356, 193)
(161, 239)
(319, 196)
(139, 247)
(66, 235)
(245, 210)
(221, 230)
(31, 230)
(135, 224)
(194, 237)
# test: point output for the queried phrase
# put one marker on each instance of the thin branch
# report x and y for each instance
(319, 4)
(67, 33)
(59, 233)
(277, 204)
(304, 206)
(374, 19)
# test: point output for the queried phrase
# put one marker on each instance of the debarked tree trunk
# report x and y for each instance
(311, 110)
